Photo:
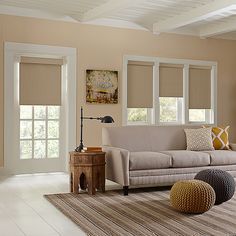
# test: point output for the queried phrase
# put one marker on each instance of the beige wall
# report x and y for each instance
(103, 48)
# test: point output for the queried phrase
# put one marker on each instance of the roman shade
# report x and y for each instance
(40, 81)
(140, 84)
(199, 87)
(170, 80)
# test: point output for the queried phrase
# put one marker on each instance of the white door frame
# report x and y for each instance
(12, 51)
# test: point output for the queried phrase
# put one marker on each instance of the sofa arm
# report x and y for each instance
(117, 165)
(233, 146)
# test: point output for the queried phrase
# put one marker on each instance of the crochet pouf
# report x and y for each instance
(192, 196)
(221, 181)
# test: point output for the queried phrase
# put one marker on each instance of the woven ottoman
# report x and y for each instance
(192, 196)
(221, 181)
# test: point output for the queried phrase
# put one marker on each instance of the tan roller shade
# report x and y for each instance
(199, 88)
(40, 81)
(170, 80)
(140, 85)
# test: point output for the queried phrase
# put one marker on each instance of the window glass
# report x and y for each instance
(138, 115)
(39, 129)
(53, 148)
(53, 129)
(39, 112)
(53, 112)
(197, 115)
(26, 112)
(25, 149)
(39, 149)
(25, 129)
(168, 109)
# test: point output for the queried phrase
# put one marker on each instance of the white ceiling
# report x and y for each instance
(204, 18)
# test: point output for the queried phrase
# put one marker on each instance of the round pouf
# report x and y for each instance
(192, 196)
(221, 181)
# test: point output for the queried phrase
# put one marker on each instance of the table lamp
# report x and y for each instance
(105, 119)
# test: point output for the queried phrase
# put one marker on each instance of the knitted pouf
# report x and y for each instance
(221, 181)
(192, 196)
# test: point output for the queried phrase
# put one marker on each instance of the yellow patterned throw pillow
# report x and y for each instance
(220, 138)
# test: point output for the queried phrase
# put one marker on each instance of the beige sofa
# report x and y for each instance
(157, 156)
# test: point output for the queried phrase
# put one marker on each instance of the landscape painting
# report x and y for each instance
(102, 86)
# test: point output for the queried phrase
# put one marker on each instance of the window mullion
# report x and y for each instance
(179, 110)
(149, 115)
(213, 115)
(46, 130)
(208, 116)
(185, 110)
(32, 132)
(156, 102)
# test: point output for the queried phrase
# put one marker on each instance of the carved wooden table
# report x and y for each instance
(87, 171)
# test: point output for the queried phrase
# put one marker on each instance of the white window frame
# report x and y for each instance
(211, 117)
(12, 54)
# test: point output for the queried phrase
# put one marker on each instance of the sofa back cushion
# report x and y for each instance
(222, 157)
(185, 158)
(149, 160)
(145, 138)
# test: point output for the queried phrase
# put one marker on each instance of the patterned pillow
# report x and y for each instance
(220, 137)
(199, 139)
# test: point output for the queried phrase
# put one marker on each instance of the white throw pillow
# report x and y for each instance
(199, 139)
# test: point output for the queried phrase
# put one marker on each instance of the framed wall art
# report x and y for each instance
(102, 86)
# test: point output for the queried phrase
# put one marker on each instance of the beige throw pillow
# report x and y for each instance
(199, 139)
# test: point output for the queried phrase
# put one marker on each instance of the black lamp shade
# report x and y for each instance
(107, 119)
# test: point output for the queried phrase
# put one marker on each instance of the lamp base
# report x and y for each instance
(80, 148)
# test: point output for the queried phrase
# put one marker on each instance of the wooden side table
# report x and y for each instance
(87, 171)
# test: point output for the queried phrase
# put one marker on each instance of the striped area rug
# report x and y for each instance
(142, 214)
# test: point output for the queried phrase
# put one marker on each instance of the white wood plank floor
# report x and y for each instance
(25, 212)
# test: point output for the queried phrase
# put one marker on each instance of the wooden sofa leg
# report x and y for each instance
(126, 190)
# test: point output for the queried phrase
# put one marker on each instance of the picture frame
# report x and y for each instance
(101, 86)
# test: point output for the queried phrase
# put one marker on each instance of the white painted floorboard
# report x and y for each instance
(25, 212)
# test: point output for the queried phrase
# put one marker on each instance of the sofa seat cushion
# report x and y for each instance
(184, 158)
(148, 160)
(222, 157)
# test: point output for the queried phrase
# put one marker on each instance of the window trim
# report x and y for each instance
(12, 52)
(154, 116)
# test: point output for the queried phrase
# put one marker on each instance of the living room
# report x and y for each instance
(183, 39)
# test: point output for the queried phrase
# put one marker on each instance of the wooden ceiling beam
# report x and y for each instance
(222, 28)
(195, 15)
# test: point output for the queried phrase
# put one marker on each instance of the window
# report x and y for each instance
(200, 94)
(14, 100)
(39, 132)
(184, 90)
(170, 93)
(170, 109)
(39, 112)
